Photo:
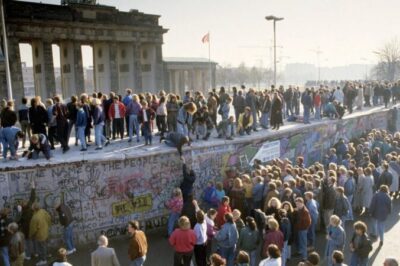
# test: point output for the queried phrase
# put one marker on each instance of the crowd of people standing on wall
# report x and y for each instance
(269, 215)
(174, 117)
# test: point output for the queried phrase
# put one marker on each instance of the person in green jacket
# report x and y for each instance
(39, 231)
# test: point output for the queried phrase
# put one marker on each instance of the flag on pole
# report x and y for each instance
(206, 38)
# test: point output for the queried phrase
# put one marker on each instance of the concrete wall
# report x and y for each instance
(104, 195)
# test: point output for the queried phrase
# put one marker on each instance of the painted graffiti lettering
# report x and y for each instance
(138, 204)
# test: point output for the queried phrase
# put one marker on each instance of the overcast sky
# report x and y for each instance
(346, 31)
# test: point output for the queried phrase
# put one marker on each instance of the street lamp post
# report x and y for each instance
(274, 19)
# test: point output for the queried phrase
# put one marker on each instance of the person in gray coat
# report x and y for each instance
(104, 256)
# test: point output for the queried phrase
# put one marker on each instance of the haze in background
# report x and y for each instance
(345, 31)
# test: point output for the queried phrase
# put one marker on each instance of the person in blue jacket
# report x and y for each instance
(81, 122)
(227, 238)
(380, 208)
(9, 139)
(336, 238)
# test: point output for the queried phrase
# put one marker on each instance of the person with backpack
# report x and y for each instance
(360, 245)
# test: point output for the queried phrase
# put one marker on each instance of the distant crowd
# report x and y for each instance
(177, 119)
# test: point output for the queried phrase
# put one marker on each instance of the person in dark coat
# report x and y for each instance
(25, 217)
(72, 112)
(175, 139)
(8, 116)
(66, 219)
(60, 112)
(380, 208)
(276, 112)
(5, 236)
(360, 245)
(38, 117)
(188, 180)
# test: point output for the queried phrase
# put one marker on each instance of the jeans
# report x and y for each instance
(29, 248)
(302, 243)
(52, 135)
(173, 217)
(138, 262)
(42, 249)
(311, 232)
(68, 237)
(285, 253)
(264, 120)
(4, 255)
(358, 261)
(81, 136)
(134, 124)
(379, 228)
(317, 112)
(289, 109)
(253, 257)
(306, 118)
(228, 254)
(98, 135)
(182, 128)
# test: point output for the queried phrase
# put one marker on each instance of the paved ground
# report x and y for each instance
(161, 254)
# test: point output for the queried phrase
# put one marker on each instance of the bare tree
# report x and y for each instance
(389, 60)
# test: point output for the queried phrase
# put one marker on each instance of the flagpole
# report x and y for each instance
(209, 59)
(8, 74)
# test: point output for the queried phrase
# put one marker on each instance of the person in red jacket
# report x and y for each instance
(116, 113)
(183, 239)
(302, 221)
(272, 236)
(223, 209)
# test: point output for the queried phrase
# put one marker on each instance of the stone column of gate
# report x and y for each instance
(192, 81)
(79, 81)
(114, 77)
(182, 83)
(159, 73)
(137, 69)
(17, 82)
(171, 80)
(49, 78)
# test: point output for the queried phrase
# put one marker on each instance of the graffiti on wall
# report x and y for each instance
(105, 195)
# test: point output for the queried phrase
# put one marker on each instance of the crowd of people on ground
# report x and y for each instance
(176, 119)
(269, 215)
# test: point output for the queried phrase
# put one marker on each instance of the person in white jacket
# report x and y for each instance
(274, 257)
(338, 95)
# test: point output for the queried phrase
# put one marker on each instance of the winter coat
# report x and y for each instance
(276, 112)
(239, 103)
(336, 241)
(364, 247)
(237, 199)
(228, 236)
(184, 117)
(341, 206)
(241, 124)
(272, 237)
(40, 225)
(122, 110)
(188, 180)
(248, 239)
(64, 214)
(381, 206)
(394, 169)
(38, 118)
(302, 219)
(44, 146)
(328, 196)
(8, 117)
(313, 206)
(366, 185)
(27, 213)
(81, 118)
(98, 115)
